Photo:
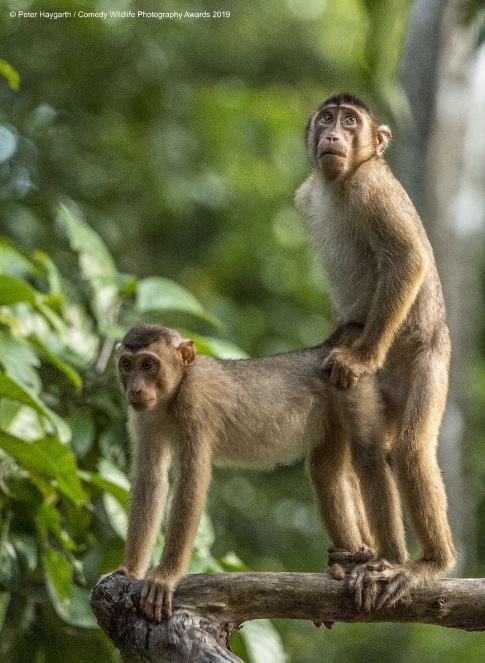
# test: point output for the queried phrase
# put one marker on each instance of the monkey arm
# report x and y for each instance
(147, 503)
(194, 474)
(400, 275)
(401, 258)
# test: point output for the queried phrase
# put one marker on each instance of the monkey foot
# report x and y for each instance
(342, 562)
(378, 585)
(349, 559)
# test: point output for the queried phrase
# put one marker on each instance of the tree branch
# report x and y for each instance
(208, 608)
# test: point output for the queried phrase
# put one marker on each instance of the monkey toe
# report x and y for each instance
(364, 555)
(337, 572)
(340, 556)
(393, 591)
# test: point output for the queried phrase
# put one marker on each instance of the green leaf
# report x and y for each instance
(263, 643)
(10, 388)
(10, 74)
(58, 579)
(117, 515)
(121, 494)
(48, 521)
(217, 347)
(97, 267)
(4, 601)
(69, 372)
(20, 362)
(79, 613)
(94, 257)
(160, 294)
(10, 571)
(13, 291)
(51, 272)
(49, 458)
(14, 261)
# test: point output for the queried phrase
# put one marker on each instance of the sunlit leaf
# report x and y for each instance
(217, 347)
(160, 294)
(10, 388)
(263, 642)
(117, 515)
(58, 579)
(121, 494)
(49, 458)
(13, 291)
(10, 74)
(94, 257)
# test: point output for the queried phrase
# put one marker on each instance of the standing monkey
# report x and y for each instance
(254, 413)
(382, 274)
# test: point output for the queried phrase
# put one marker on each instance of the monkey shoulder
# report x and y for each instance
(383, 204)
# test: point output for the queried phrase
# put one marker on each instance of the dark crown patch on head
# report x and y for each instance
(142, 335)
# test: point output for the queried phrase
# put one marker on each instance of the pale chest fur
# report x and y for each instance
(348, 261)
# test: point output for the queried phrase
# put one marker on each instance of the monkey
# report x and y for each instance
(192, 410)
(382, 274)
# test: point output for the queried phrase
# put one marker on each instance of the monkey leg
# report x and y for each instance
(414, 460)
(363, 413)
(337, 494)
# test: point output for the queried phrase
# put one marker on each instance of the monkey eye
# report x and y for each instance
(326, 118)
(350, 119)
(147, 364)
(125, 365)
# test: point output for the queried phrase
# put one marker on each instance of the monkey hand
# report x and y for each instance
(341, 562)
(346, 365)
(378, 584)
(156, 595)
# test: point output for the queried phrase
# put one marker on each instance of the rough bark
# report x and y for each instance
(208, 608)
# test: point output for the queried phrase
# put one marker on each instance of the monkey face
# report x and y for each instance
(341, 136)
(140, 374)
(151, 362)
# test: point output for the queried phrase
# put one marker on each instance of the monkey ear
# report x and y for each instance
(186, 351)
(384, 135)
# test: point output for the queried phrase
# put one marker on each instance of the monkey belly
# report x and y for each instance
(264, 451)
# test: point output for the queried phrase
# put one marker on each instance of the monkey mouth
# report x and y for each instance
(330, 152)
(140, 405)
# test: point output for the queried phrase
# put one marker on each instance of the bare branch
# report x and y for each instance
(208, 608)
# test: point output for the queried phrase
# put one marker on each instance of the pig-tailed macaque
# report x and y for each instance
(256, 413)
(382, 274)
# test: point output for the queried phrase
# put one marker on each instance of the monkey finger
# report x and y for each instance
(370, 592)
(149, 598)
(163, 605)
(393, 592)
(356, 587)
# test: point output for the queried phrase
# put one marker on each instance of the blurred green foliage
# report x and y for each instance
(180, 142)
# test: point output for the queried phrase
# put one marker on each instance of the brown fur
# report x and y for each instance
(382, 274)
(254, 413)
